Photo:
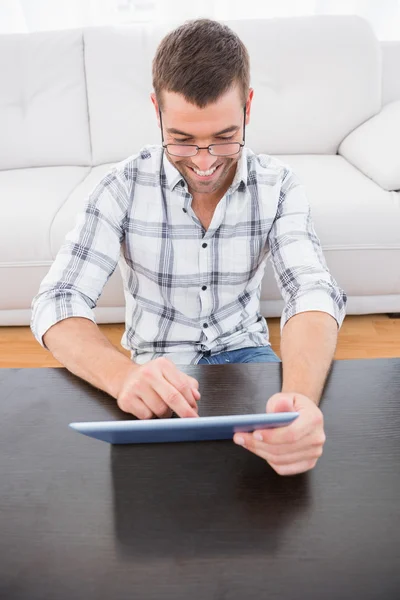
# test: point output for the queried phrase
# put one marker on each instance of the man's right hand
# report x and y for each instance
(156, 389)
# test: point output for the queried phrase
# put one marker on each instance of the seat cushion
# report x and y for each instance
(357, 222)
(64, 221)
(349, 210)
(29, 201)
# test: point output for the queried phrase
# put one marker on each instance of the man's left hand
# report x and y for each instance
(292, 449)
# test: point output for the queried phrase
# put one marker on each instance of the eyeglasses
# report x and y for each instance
(225, 149)
(222, 149)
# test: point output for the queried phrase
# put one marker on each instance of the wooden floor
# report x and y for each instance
(366, 336)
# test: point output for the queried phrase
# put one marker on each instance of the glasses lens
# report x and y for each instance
(225, 149)
(181, 150)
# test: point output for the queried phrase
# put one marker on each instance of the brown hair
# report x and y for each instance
(201, 60)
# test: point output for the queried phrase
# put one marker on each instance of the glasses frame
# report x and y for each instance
(209, 148)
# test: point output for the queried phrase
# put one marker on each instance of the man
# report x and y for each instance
(193, 222)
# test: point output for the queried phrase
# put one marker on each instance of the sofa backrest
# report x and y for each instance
(43, 107)
(390, 71)
(315, 80)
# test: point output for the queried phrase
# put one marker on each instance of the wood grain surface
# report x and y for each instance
(82, 519)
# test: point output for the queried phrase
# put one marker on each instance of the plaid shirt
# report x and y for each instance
(189, 291)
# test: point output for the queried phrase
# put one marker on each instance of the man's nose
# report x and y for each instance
(204, 160)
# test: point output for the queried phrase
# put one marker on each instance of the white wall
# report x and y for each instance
(40, 15)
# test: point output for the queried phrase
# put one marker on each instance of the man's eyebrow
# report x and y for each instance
(230, 129)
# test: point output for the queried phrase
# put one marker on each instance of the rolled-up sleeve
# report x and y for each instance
(86, 260)
(299, 265)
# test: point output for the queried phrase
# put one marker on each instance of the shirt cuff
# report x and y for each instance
(316, 301)
(44, 317)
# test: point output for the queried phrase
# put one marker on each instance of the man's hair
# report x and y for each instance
(201, 59)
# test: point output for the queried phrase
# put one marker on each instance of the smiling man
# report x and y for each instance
(192, 222)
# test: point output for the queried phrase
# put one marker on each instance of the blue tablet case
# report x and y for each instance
(181, 429)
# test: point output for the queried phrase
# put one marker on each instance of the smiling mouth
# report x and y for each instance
(205, 174)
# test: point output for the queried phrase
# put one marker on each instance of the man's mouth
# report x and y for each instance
(204, 175)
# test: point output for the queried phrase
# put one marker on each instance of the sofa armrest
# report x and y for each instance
(374, 147)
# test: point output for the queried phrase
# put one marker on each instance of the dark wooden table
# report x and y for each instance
(82, 519)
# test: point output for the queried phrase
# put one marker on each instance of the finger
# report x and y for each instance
(277, 450)
(288, 459)
(130, 403)
(153, 373)
(194, 384)
(181, 382)
(313, 439)
(141, 396)
(290, 434)
(249, 441)
(196, 394)
(138, 409)
(153, 401)
(173, 398)
(295, 469)
(300, 463)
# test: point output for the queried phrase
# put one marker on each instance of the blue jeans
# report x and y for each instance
(259, 354)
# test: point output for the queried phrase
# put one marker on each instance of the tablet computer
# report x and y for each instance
(181, 429)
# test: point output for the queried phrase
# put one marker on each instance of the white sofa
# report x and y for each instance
(327, 101)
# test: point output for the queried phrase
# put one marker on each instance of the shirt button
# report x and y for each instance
(204, 245)
(204, 288)
(205, 325)
(184, 210)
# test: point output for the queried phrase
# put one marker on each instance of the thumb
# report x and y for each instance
(281, 403)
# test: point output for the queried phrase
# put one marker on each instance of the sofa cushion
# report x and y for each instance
(357, 223)
(64, 221)
(310, 90)
(374, 147)
(29, 201)
(43, 108)
(65, 218)
(349, 210)
(119, 84)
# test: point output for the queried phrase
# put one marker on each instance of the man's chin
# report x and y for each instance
(205, 187)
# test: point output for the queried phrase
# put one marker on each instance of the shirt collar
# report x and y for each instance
(173, 176)
(171, 173)
(241, 172)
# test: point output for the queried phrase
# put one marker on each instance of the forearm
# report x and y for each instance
(308, 345)
(80, 346)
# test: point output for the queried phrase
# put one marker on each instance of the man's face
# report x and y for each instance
(185, 123)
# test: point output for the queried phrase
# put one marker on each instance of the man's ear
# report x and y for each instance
(155, 104)
(248, 105)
